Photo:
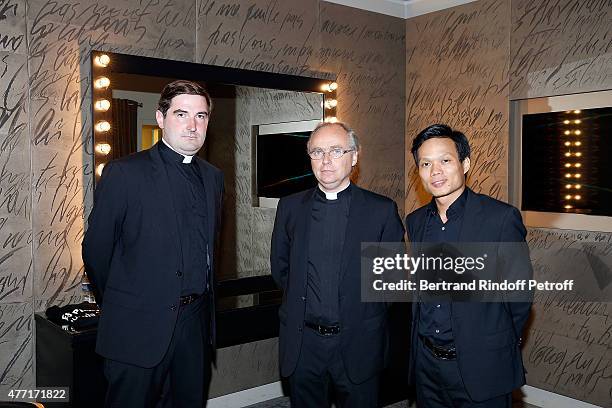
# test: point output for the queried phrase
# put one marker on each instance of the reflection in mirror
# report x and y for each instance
(258, 128)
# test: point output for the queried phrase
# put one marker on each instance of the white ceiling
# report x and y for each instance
(401, 8)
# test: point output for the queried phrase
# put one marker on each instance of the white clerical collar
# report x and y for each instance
(186, 159)
(334, 195)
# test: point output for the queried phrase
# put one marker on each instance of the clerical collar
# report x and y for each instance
(332, 196)
(186, 159)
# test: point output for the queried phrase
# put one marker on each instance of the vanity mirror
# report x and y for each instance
(257, 136)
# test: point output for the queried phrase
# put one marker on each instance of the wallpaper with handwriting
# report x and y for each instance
(456, 73)
(45, 122)
(568, 343)
(563, 47)
(366, 50)
(560, 47)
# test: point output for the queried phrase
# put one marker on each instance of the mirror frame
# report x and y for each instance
(172, 69)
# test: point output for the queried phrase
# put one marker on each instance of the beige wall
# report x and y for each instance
(45, 121)
(464, 65)
(456, 73)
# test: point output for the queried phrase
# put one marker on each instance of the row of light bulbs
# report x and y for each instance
(102, 83)
(331, 103)
(576, 165)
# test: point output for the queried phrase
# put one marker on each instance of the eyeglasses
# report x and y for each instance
(334, 153)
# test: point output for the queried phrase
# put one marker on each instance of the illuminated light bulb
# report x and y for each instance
(578, 154)
(333, 86)
(567, 132)
(568, 154)
(568, 165)
(99, 169)
(577, 197)
(577, 111)
(103, 148)
(331, 103)
(577, 175)
(102, 105)
(567, 175)
(331, 119)
(567, 207)
(578, 186)
(326, 88)
(102, 82)
(568, 144)
(568, 197)
(578, 144)
(566, 122)
(102, 60)
(103, 126)
(578, 165)
(577, 121)
(577, 132)
(568, 186)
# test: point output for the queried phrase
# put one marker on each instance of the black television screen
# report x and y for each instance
(283, 166)
(566, 164)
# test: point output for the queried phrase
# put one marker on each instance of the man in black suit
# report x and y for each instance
(327, 335)
(465, 354)
(148, 251)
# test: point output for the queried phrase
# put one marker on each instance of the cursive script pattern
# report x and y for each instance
(568, 345)
(560, 47)
(457, 73)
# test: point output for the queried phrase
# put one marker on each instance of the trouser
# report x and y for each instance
(181, 379)
(439, 384)
(320, 369)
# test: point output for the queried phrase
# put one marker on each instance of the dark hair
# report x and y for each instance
(181, 87)
(441, 131)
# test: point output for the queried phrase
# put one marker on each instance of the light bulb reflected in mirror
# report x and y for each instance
(102, 60)
(103, 126)
(103, 148)
(102, 83)
(102, 105)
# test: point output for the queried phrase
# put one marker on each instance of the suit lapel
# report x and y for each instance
(159, 179)
(211, 189)
(302, 229)
(357, 213)
(472, 219)
(419, 233)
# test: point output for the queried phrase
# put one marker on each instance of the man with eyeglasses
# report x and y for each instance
(328, 337)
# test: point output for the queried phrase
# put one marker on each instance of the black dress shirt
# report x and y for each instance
(189, 198)
(435, 317)
(327, 235)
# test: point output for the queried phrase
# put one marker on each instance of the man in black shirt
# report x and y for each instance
(148, 251)
(465, 354)
(328, 337)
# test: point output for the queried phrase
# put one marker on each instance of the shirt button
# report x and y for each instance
(179, 273)
(443, 228)
(173, 308)
(437, 331)
(438, 306)
(304, 298)
(299, 328)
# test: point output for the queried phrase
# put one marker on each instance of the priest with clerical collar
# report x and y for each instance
(328, 337)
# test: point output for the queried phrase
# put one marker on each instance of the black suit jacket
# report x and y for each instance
(132, 255)
(363, 333)
(486, 334)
